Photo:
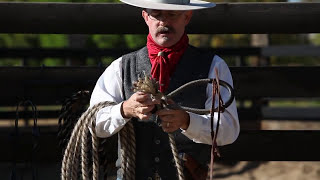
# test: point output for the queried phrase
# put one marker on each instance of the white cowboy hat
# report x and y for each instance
(170, 4)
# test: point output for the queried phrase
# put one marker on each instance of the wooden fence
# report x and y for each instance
(51, 85)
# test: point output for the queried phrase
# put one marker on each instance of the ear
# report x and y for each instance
(145, 16)
(188, 16)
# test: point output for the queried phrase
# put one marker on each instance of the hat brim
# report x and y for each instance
(193, 5)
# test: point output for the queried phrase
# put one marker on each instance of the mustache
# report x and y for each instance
(165, 29)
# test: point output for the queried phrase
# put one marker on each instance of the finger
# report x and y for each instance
(140, 97)
(151, 101)
(145, 116)
(163, 112)
(145, 109)
(170, 101)
(168, 126)
(137, 104)
(140, 93)
(155, 101)
(167, 118)
(145, 98)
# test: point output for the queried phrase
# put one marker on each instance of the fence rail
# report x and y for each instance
(46, 85)
(258, 145)
(109, 18)
(52, 85)
(293, 50)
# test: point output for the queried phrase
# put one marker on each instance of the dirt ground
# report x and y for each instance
(281, 170)
(251, 170)
(268, 171)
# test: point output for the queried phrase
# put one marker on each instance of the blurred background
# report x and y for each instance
(105, 41)
(253, 50)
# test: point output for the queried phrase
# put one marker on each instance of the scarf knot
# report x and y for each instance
(164, 59)
(161, 53)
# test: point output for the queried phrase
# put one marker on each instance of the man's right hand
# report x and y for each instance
(139, 105)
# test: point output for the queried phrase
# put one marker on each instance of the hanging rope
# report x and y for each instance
(175, 154)
(214, 133)
(77, 147)
(71, 110)
(35, 135)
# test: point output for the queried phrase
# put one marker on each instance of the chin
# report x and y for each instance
(166, 42)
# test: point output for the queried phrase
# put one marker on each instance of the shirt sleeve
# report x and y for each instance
(109, 88)
(199, 128)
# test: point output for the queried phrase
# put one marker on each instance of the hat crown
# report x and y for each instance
(170, 4)
(182, 2)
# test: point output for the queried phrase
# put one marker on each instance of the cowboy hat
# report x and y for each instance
(170, 4)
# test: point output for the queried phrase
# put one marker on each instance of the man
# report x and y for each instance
(172, 61)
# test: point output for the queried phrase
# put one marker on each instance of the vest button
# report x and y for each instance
(157, 141)
(157, 159)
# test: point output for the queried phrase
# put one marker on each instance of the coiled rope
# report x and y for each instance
(77, 147)
(128, 151)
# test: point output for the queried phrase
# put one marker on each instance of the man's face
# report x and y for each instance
(166, 27)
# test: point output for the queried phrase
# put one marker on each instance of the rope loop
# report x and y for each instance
(201, 82)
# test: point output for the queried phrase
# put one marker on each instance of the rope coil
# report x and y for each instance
(78, 143)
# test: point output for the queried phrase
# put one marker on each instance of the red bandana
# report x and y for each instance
(164, 60)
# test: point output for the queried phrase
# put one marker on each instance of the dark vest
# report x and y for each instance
(153, 152)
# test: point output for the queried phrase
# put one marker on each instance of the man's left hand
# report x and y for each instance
(172, 120)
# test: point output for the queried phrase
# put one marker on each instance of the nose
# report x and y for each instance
(163, 20)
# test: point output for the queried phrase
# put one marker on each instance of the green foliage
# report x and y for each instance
(53, 40)
(135, 41)
(52, 62)
(106, 60)
(18, 40)
(285, 39)
(10, 62)
(109, 41)
(294, 103)
(295, 61)
(315, 39)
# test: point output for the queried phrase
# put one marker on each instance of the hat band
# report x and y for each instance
(179, 2)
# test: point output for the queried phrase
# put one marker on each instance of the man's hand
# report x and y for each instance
(172, 120)
(139, 105)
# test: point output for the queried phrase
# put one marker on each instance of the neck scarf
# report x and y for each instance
(165, 59)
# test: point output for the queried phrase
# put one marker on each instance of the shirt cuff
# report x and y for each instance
(194, 126)
(116, 113)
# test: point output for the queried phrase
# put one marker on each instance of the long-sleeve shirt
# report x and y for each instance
(109, 120)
